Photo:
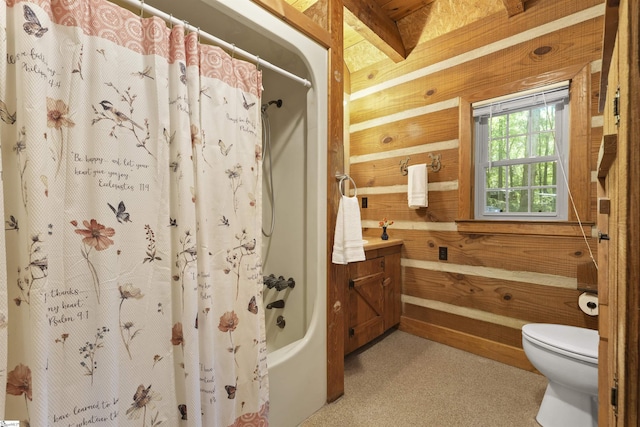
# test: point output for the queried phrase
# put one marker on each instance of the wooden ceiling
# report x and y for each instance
(378, 29)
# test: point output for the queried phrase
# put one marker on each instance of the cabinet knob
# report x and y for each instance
(386, 281)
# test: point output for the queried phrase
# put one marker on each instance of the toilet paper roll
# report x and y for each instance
(588, 303)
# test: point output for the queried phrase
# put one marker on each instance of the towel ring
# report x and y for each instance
(342, 178)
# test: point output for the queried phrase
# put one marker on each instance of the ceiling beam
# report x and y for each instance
(514, 7)
(296, 19)
(371, 21)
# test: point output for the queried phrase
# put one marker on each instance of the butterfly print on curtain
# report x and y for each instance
(32, 25)
(121, 213)
(142, 398)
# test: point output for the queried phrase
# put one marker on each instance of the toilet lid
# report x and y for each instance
(580, 341)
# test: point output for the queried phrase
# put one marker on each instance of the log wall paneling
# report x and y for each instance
(510, 64)
(524, 301)
(555, 256)
(469, 342)
(395, 205)
(438, 126)
(476, 35)
(498, 275)
(386, 171)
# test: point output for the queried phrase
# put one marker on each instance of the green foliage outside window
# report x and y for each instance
(521, 138)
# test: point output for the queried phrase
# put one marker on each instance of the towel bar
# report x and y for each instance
(434, 166)
(341, 178)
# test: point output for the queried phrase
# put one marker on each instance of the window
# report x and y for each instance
(521, 146)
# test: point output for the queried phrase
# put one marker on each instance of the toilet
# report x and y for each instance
(568, 357)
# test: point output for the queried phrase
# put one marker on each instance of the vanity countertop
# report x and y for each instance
(378, 243)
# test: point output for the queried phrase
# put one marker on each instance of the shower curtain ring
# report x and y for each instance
(233, 51)
(258, 63)
(141, 8)
(186, 26)
(198, 34)
(171, 21)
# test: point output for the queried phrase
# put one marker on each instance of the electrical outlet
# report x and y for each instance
(364, 202)
(442, 253)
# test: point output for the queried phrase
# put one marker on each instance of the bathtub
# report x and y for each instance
(296, 353)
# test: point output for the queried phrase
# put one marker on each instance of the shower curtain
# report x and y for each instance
(130, 264)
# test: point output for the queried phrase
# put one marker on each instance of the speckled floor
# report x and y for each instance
(404, 380)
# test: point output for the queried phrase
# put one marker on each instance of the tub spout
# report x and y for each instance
(276, 304)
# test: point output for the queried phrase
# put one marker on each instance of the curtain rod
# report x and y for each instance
(259, 62)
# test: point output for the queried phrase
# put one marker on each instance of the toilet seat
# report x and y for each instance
(570, 341)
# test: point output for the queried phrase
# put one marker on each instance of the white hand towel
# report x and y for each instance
(417, 188)
(348, 245)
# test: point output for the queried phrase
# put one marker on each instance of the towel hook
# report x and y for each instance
(435, 162)
(341, 179)
(404, 164)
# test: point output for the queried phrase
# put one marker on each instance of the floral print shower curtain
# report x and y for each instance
(130, 264)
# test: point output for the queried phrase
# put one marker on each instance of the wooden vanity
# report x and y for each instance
(372, 293)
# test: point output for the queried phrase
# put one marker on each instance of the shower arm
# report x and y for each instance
(268, 104)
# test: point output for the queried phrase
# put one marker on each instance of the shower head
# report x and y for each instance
(278, 104)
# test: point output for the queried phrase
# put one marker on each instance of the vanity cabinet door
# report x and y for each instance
(365, 298)
(393, 289)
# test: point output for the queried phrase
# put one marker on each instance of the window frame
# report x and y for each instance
(558, 95)
(581, 184)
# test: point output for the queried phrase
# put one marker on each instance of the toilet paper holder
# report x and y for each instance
(588, 303)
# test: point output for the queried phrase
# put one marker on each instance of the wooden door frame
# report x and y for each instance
(629, 350)
(332, 39)
(622, 42)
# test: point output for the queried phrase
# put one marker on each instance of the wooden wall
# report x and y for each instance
(497, 276)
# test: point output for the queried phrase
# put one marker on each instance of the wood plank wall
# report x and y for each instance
(496, 278)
